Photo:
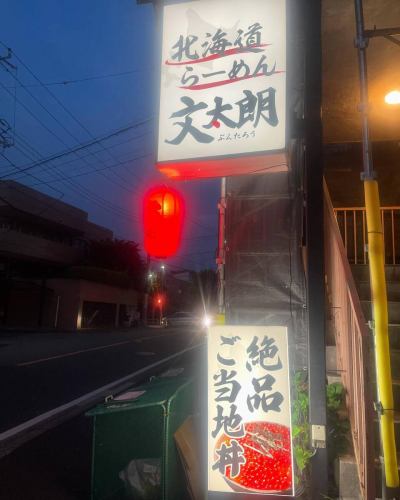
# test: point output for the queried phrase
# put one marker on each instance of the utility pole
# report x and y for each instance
(6, 140)
(147, 290)
(5, 59)
(315, 247)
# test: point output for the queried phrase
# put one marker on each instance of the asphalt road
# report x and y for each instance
(42, 371)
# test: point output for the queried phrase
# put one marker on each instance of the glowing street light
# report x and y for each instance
(393, 97)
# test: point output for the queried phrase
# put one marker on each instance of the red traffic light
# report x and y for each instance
(163, 214)
(159, 301)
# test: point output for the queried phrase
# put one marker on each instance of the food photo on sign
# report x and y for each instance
(223, 88)
(249, 411)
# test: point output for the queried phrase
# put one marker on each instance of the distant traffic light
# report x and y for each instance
(163, 215)
(159, 301)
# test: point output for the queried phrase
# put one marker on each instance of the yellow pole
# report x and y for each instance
(380, 316)
(220, 319)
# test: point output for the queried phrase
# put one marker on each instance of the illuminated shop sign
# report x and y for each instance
(223, 88)
(249, 417)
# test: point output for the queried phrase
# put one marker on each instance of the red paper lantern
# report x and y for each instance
(163, 214)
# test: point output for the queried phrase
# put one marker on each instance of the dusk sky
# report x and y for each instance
(97, 61)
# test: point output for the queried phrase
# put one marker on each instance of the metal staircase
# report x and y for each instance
(361, 276)
(351, 223)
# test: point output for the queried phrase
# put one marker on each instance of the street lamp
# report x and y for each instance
(393, 97)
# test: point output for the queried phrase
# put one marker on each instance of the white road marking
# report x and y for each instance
(16, 436)
(73, 353)
(98, 348)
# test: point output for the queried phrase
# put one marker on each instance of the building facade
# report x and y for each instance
(43, 241)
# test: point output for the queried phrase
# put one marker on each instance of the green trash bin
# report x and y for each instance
(134, 454)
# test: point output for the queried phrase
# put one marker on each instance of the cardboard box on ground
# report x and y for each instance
(187, 439)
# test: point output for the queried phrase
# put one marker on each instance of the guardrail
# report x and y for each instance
(17, 436)
(353, 228)
(351, 333)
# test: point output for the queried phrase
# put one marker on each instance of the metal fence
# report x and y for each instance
(351, 333)
(353, 228)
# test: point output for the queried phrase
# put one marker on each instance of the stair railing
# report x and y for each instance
(353, 228)
(353, 356)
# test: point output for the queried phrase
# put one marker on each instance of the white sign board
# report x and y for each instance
(249, 411)
(223, 79)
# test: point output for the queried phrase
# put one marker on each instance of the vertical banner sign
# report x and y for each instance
(249, 411)
(223, 88)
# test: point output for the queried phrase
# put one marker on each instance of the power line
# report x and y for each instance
(66, 110)
(88, 78)
(48, 183)
(94, 141)
(107, 167)
(79, 174)
(20, 138)
(87, 172)
(25, 193)
(37, 178)
(98, 200)
(81, 146)
(60, 124)
(113, 180)
(29, 112)
(86, 145)
(80, 190)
